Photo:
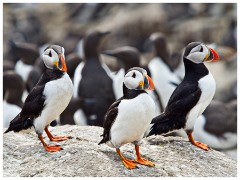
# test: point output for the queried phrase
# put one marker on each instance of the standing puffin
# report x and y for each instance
(48, 98)
(128, 118)
(92, 82)
(192, 96)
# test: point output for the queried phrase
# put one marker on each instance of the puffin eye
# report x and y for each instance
(50, 54)
(201, 49)
(134, 75)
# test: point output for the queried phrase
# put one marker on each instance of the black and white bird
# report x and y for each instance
(128, 118)
(48, 98)
(161, 67)
(93, 82)
(192, 96)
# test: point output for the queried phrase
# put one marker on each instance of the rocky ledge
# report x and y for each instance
(24, 156)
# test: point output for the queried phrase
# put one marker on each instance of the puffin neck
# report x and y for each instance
(131, 93)
(194, 70)
(49, 75)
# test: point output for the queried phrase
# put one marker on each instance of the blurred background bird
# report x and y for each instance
(158, 32)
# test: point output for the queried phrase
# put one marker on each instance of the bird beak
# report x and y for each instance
(62, 65)
(147, 84)
(151, 84)
(213, 57)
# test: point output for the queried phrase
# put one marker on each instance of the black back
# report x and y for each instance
(34, 103)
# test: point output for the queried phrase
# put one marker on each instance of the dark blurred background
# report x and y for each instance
(28, 28)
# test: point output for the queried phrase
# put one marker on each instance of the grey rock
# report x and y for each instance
(23, 155)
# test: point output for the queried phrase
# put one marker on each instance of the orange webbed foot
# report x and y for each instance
(141, 160)
(202, 145)
(130, 164)
(54, 148)
(144, 162)
(196, 143)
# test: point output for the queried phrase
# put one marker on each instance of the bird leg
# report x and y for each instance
(49, 148)
(56, 138)
(141, 160)
(130, 164)
(196, 143)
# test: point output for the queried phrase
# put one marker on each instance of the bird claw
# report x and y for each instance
(144, 162)
(202, 145)
(130, 164)
(54, 148)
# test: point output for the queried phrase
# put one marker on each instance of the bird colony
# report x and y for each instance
(168, 70)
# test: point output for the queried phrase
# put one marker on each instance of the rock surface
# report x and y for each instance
(23, 155)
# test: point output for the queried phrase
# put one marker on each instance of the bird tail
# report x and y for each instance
(101, 142)
(104, 139)
(19, 123)
(165, 123)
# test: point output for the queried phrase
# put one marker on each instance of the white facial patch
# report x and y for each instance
(49, 57)
(132, 79)
(196, 56)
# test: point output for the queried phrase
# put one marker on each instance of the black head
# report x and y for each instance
(91, 42)
(53, 58)
(136, 78)
(198, 52)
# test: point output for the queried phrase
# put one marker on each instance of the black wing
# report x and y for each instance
(184, 98)
(31, 109)
(109, 119)
(34, 102)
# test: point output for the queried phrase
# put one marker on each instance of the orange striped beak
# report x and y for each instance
(213, 56)
(151, 84)
(63, 64)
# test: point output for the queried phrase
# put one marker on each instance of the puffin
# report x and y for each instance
(129, 57)
(93, 82)
(161, 67)
(192, 95)
(47, 100)
(129, 117)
